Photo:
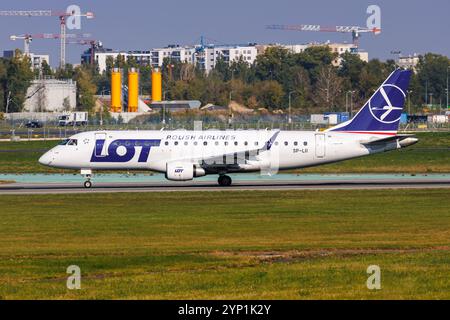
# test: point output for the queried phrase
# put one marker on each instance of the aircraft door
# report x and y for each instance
(320, 145)
(100, 145)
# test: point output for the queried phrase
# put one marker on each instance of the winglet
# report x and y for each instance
(271, 141)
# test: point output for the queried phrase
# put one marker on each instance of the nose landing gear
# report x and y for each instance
(88, 184)
(224, 181)
(87, 174)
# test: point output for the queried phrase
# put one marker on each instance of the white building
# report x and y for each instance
(38, 59)
(408, 62)
(51, 95)
(206, 56)
(339, 48)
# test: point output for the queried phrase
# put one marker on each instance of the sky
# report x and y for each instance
(409, 26)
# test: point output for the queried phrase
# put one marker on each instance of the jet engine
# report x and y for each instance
(183, 171)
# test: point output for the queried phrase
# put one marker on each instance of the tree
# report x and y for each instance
(313, 58)
(222, 69)
(16, 81)
(86, 89)
(66, 104)
(271, 64)
(65, 73)
(46, 69)
(432, 76)
(269, 94)
(327, 88)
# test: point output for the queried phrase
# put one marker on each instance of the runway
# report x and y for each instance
(202, 186)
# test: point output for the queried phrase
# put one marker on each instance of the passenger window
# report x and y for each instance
(256, 143)
(217, 143)
(245, 143)
(176, 143)
(195, 143)
(226, 143)
(295, 143)
(186, 143)
(276, 143)
(305, 143)
(205, 143)
(286, 143)
(236, 143)
(166, 143)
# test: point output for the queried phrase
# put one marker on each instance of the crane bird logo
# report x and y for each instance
(387, 104)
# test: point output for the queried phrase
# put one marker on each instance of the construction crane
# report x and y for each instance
(85, 42)
(354, 30)
(28, 38)
(50, 13)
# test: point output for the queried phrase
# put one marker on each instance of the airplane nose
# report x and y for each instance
(46, 159)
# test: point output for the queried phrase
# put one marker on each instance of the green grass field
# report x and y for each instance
(252, 245)
(430, 155)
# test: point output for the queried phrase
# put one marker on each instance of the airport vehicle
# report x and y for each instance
(73, 119)
(33, 124)
(185, 155)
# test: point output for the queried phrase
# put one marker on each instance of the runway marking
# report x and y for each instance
(75, 188)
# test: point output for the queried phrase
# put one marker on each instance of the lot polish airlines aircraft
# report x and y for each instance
(185, 155)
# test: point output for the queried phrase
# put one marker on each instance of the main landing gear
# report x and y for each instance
(87, 174)
(225, 181)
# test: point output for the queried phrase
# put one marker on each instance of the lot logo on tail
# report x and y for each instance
(387, 104)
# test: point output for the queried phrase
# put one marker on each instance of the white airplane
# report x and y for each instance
(185, 155)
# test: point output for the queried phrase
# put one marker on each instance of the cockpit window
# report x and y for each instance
(64, 142)
(69, 142)
(72, 142)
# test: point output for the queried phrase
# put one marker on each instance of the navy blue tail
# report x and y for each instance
(383, 110)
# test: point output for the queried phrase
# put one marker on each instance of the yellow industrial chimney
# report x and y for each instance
(116, 90)
(133, 90)
(156, 85)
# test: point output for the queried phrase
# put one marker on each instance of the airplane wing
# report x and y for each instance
(216, 161)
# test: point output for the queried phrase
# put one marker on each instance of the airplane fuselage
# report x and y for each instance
(215, 151)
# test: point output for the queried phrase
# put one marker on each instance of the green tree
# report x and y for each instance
(16, 81)
(86, 89)
(432, 76)
(269, 94)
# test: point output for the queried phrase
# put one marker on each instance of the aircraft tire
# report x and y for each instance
(88, 184)
(225, 181)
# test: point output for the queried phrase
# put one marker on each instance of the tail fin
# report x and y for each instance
(381, 114)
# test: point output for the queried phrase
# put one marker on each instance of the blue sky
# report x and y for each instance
(410, 26)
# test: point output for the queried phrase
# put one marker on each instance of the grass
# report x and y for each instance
(430, 155)
(252, 245)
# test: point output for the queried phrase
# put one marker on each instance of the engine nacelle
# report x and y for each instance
(183, 171)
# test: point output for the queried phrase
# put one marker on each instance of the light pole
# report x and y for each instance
(101, 109)
(164, 108)
(351, 102)
(346, 101)
(290, 113)
(448, 67)
(230, 113)
(409, 100)
(431, 100)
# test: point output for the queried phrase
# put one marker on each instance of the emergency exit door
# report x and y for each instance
(320, 145)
